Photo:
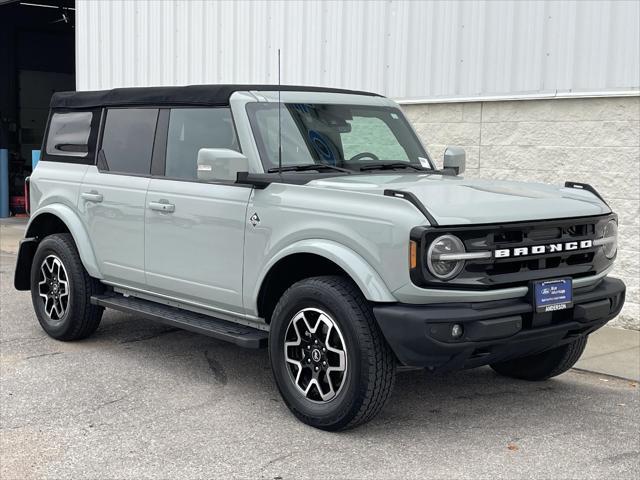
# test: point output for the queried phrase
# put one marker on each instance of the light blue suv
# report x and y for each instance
(314, 222)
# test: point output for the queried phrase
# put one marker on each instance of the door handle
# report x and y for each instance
(162, 207)
(91, 196)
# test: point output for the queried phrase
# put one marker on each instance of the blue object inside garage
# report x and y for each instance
(4, 183)
(35, 157)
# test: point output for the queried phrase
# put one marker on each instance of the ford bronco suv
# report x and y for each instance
(311, 221)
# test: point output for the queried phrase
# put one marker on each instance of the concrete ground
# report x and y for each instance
(613, 351)
(140, 400)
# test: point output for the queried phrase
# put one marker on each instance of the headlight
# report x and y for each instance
(439, 257)
(609, 240)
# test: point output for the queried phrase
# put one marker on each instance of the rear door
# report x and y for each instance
(112, 195)
(194, 233)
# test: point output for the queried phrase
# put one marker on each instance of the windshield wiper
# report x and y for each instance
(307, 167)
(390, 166)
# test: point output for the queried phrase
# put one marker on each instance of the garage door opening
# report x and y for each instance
(37, 54)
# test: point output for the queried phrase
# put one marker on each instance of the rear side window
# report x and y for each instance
(191, 129)
(127, 140)
(71, 136)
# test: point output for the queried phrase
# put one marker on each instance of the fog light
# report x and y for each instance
(456, 331)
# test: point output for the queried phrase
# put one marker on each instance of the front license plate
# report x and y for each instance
(553, 295)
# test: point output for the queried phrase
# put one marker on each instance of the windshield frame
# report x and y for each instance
(269, 166)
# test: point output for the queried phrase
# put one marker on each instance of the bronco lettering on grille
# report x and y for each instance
(541, 249)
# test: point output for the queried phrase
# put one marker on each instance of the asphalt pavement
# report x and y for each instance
(140, 400)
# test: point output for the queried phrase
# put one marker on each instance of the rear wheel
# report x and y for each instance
(61, 290)
(330, 361)
(542, 366)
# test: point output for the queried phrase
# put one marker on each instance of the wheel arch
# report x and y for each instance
(46, 221)
(311, 258)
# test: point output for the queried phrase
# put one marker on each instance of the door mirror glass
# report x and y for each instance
(220, 164)
(455, 160)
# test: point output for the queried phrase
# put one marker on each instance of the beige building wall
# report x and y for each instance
(590, 140)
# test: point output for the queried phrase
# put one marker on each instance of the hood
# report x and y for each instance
(457, 201)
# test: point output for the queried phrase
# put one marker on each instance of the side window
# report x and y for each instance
(191, 129)
(127, 140)
(372, 135)
(69, 134)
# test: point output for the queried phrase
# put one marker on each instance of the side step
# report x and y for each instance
(241, 335)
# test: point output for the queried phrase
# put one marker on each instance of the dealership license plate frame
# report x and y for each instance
(552, 295)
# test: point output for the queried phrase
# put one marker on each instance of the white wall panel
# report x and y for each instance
(403, 49)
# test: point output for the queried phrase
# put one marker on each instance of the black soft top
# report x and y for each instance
(188, 95)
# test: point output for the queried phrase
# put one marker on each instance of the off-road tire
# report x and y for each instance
(371, 365)
(545, 365)
(81, 318)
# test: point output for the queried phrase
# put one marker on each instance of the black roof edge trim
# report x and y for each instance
(587, 187)
(411, 198)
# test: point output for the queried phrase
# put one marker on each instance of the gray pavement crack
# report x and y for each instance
(111, 402)
(43, 355)
(149, 336)
(620, 456)
(274, 460)
(216, 368)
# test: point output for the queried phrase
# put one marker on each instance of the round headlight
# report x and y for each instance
(437, 261)
(610, 239)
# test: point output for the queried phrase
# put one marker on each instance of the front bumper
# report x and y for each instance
(420, 335)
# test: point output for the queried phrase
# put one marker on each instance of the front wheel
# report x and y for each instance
(330, 361)
(545, 365)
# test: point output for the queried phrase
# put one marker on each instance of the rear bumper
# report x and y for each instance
(420, 335)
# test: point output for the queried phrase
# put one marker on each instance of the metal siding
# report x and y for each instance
(403, 49)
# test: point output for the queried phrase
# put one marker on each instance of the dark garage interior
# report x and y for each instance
(37, 58)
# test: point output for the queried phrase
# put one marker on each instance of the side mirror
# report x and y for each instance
(455, 159)
(220, 164)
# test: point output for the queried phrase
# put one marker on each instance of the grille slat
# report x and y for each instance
(528, 237)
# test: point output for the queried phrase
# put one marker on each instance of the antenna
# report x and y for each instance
(279, 119)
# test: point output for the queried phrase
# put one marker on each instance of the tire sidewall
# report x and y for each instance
(337, 412)
(55, 246)
(544, 365)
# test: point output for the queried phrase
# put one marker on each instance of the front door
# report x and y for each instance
(194, 231)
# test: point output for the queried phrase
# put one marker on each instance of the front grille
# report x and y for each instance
(517, 270)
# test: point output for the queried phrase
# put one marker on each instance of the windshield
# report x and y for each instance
(353, 137)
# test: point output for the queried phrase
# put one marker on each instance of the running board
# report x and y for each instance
(241, 335)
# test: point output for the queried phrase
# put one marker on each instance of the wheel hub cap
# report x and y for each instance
(53, 287)
(315, 354)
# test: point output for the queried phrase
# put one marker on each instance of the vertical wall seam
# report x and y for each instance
(480, 136)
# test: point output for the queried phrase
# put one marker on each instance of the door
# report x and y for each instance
(195, 230)
(112, 196)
